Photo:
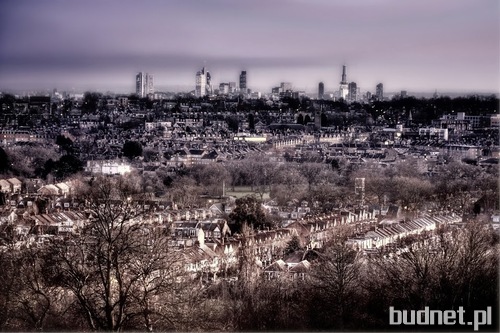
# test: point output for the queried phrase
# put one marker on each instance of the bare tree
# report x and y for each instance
(38, 300)
(8, 286)
(29, 300)
(316, 173)
(255, 171)
(412, 193)
(211, 177)
(184, 191)
(288, 184)
(118, 264)
(457, 267)
(459, 184)
(335, 282)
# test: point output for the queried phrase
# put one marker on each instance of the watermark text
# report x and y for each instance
(439, 317)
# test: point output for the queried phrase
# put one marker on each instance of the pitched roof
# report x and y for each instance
(14, 181)
(301, 267)
(277, 266)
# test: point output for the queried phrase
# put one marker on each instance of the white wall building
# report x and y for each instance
(108, 167)
(201, 83)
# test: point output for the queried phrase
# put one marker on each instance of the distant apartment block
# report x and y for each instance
(223, 88)
(8, 137)
(153, 125)
(434, 133)
(108, 167)
(144, 84)
(495, 121)
(461, 122)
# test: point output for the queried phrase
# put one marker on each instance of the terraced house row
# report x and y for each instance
(389, 233)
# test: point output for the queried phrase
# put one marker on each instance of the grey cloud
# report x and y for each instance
(124, 61)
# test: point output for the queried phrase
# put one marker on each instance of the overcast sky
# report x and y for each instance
(419, 46)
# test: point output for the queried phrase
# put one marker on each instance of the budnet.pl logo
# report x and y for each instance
(439, 317)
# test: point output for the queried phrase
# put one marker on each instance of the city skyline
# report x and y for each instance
(450, 46)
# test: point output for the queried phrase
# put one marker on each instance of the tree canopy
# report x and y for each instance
(132, 149)
(248, 211)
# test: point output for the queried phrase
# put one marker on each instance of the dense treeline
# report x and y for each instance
(452, 186)
(424, 109)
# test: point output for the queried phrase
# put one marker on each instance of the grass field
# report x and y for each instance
(243, 191)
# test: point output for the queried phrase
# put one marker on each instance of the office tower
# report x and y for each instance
(243, 81)
(285, 86)
(208, 86)
(144, 84)
(150, 87)
(353, 92)
(139, 84)
(379, 92)
(344, 88)
(223, 88)
(201, 83)
(404, 94)
(232, 87)
(321, 90)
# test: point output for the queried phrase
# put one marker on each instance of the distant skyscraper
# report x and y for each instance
(285, 86)
(353, 92)
(321, 90)
(223, 88)
(150, 85)
(344, 88)
(144, 84)
(380, 92)
(208, 87)
(232, 87)
(243, 81)
(201, 83)
(139, 84)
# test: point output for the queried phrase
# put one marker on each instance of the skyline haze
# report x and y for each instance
(101, 45)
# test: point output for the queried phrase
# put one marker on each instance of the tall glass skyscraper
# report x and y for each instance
(321, 90)
(243, 81)
(353, 92)
(144, 84)
(379, 92)
(201, 83)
